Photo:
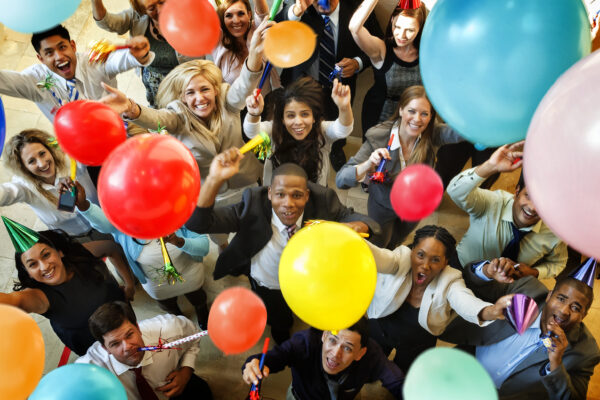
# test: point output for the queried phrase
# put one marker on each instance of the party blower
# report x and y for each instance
(101, 49)
(261, 144)
(268, 66)
(380, 175)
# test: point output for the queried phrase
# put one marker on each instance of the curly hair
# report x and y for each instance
(439, 233)
(228, 40)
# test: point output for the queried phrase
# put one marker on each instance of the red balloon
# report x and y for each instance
(417, 192)
(237, 320)
(149, 185)
(192, 27)
(88, 131)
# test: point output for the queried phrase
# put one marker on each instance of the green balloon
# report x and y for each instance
(449, 374)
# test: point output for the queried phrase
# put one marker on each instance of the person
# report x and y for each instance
(328, 365)
(264, 221)
(335, 47)
(416, 137)
(418, 294)
(554, 358)
(298, 132)
(505, 225)
(185, 249)
(146, 375)
(395, 58)
(142, 20)
(63, 281)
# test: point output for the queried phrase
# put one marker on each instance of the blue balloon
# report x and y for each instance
(479, 146)
(35, 15)
(486, 64)
(79, 381)
(2, 126)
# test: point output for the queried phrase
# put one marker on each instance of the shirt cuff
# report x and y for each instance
(478, 271)
(545, 370)
(360, 64)
(291, 15)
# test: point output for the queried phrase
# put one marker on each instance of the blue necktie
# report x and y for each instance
(73, 92)
(512, 248)
(326, 52)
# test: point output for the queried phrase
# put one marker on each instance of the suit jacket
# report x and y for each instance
(570, 381)
(251, 219)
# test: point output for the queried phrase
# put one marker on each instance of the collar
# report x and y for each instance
(121, 368)
(507, 215)
(280, 226)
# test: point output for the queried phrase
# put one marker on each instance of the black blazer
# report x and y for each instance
(251, 219)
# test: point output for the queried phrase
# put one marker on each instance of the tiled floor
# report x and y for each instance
(222, 373)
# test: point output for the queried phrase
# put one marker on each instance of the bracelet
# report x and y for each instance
(254, 115)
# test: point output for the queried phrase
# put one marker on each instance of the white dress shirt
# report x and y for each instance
(156, 365)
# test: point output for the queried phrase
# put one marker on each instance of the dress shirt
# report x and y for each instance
(264, 266)
(490, 214)
(156, 365)
(87, 80)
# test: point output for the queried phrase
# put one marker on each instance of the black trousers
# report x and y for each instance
(451, 159)
(196, 389)
(279, 315)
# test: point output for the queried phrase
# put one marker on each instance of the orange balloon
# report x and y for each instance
(21, 353)
(289, 43)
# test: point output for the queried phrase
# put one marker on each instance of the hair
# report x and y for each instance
(36, 39)
(420, 14)
(521, 183)
(108, 317)
(580, 286)
(75, 258)
(424, 151)
(138, 7)
(14, 162)
(289, 169)
(439, 233)
(306, 152)
(227, 39)
(362, 328)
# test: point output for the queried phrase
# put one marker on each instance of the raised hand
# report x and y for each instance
(340, 94)
(254, 105)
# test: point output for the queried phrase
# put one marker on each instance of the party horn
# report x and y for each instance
(521, 313)
(101, 49)
(255, 389)
(261, 144)
(73, 175)
(274, 9)
(263, 78)
(169, 271)
(379, 174)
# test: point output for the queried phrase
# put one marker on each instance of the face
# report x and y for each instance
(58, 54)
(332, 6)
(524, 213)
(298, 119)
(339, 351)
(38, 160)
(427, 258)
(44, 264)
(200, 96)
(237, 19)
(416, 116)
(288, 195)
(405, 30)
(123, 343)
(565, 306)
(153, 8)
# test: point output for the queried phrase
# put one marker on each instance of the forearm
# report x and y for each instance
(261, 7)
(209, 192)
(485, 170)
(98, 10)
(361, 15)
(362, 170)
(346, 117)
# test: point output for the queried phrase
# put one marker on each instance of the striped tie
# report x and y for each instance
(73, 92)
(326, 53)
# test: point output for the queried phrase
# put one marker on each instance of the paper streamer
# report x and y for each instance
(175, 343)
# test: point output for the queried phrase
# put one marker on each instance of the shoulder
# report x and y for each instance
(379, 132)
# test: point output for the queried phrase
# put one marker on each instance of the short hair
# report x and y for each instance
(36, 39)
(521, 183)
(108, 317)
(582, 287)
(362, 328)
(289, 169)
(439, 233)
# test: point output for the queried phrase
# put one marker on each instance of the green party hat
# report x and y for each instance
(21, 236)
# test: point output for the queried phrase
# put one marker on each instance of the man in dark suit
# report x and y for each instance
(264, 220)
(554, 358)
(333, 36)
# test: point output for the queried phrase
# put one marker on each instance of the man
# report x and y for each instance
(505, 225)
(264, 221)
(327, 365)
(335, 46)
(146, 375)
(523, 366)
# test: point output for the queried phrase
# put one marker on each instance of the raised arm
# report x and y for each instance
(28, 300)
(371, 45)
(98, 9)
(341, 97)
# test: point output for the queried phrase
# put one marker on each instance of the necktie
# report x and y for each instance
(291, 230)
(73, 92)
(512, 248)
(143, 387)
(326, 52)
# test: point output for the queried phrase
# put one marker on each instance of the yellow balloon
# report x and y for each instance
(327, 275)
(289, 43)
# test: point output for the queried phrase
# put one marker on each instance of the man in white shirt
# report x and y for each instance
(146, 375)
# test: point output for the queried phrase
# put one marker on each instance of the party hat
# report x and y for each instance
(521, 313)
(409, 4)
(21, 236)
(586, 273)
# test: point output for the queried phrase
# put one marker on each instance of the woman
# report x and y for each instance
(298, 131)
(395, 60)
(65, 282)
(418, 295)
(416, 140)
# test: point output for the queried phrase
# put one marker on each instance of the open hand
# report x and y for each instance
(340, 94)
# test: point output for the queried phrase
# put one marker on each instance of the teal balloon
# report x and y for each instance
(479, 146)
(449, 374)
(79, 381)
(486, 64)
(29, 16)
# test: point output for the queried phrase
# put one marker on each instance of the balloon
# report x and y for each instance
(88, 131)
(2, 126)
(449, 374)
(486, 64)
(35, 15)
(479, 146)
(289, 43)
(192, 27)
(561, 157)
(149, 185)
(417, 192)
(237, 320)
(21, 353)
(327, 275)
(79, 381)
(521, 313)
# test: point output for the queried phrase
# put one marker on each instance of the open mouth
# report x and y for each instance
(529, 214)
(48, 274)
(64, 66)
(559, 320)
(201, 107)
(421, 277)
(298, 131)
(332, 365)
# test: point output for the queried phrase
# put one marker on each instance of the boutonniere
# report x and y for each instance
(47, 83)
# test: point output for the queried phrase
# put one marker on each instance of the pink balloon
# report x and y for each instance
(417, 192)
(561, 156)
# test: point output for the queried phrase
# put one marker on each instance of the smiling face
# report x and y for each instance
(200, 96)
(237, 19)
(427, 258)
(38, 160)
(416, 116)
(298, 119)
(123, 343)
(405, 30)
(341, 350)
(44, 264)
(288, 195)
(565, 306)
(58, 54)
(524, 212)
